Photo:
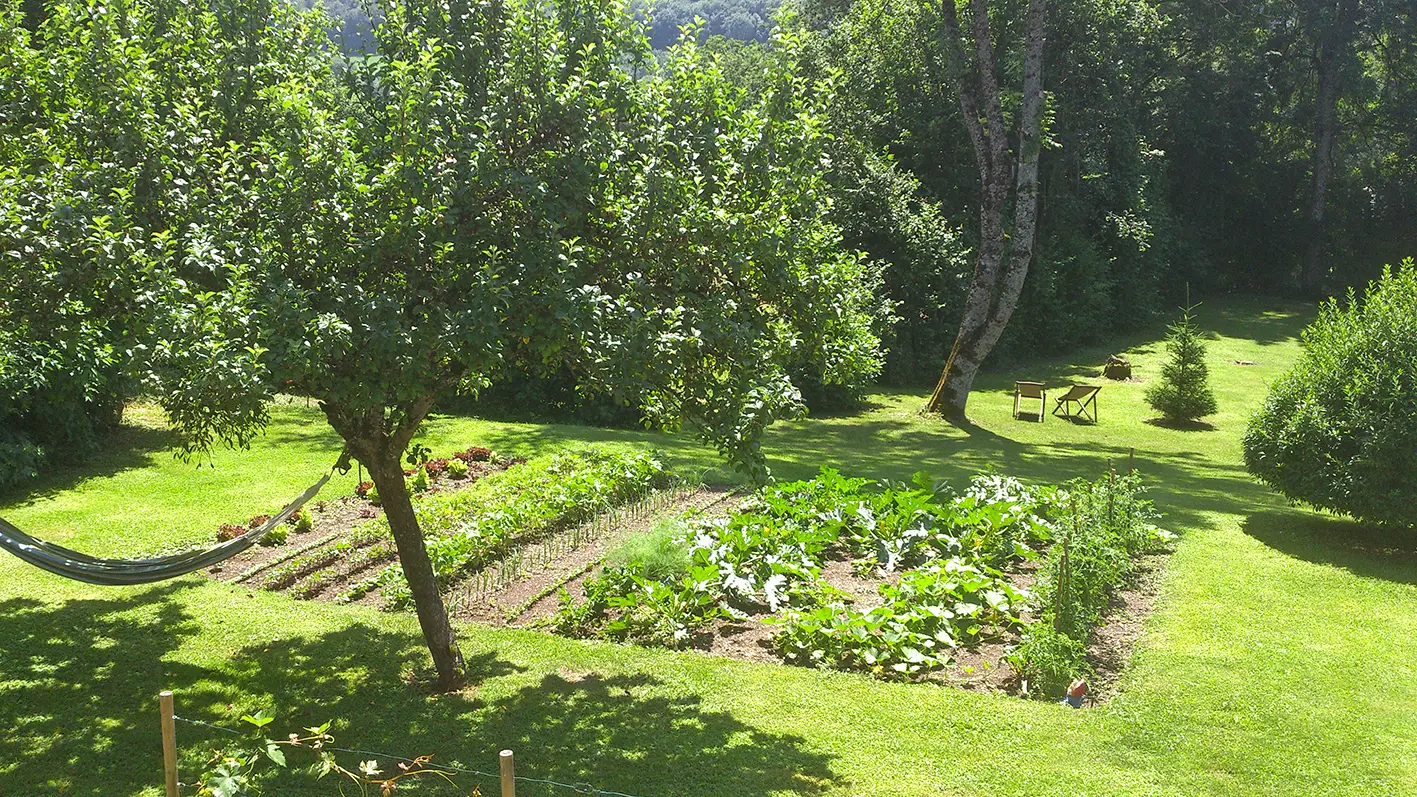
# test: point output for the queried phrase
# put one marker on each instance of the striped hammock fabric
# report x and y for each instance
(116, 572)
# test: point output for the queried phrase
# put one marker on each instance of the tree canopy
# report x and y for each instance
(124, 132)
(516, 182)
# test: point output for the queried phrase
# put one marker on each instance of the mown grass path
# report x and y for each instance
(1282, 659)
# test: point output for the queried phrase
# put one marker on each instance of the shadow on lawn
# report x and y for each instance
(124, 448)
(623, 733)
(615, 732)
(1238, 317)
(1255, 319)
(81, 711)
(1186, 484)
(1364, 550)
(311, 433)
(84, 678)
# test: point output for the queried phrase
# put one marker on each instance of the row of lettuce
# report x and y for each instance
(1033, 567)
(513, 502)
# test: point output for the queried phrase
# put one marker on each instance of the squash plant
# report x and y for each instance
(929, 613)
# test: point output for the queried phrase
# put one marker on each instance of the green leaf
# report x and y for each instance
(225, 786)
(227, 780)
(274, 753)
(260, 719)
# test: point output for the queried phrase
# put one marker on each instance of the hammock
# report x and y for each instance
(113, 572)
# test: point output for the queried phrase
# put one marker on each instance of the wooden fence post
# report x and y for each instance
(169, 743)
(509, 782)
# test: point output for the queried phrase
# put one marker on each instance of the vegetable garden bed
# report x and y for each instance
(479, 515)
(1002, 586)
(532, 594)
(313, 542)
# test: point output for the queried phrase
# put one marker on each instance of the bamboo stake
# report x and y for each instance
(509, 783)
(169, 742)
(1112, 499)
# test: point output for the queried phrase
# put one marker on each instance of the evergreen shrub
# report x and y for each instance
(1339, 431)
(1183, 393)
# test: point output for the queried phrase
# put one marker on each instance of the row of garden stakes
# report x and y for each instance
(542, 553)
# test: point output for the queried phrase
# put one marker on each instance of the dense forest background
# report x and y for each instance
(741, 20)
(1178, 153)
(1181, 151)
(1179, 156)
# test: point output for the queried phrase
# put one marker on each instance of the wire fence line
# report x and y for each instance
(552, 785)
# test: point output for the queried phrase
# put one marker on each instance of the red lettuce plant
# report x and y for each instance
(475, 454)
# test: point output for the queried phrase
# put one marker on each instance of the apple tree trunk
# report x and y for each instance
(386, 470)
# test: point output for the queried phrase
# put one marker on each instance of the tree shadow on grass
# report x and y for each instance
(81, 680)
(80, 711)
(624, 733)
(125, 448)
(314, 435)
(1183, 426)
(1364, 550)
(528, 439)
(619, 732)
(1262, 320)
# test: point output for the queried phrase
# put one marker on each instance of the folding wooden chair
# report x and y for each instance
(1030, 390)
(1085, 399)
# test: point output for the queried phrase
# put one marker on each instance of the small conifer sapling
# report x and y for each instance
(1183, 393)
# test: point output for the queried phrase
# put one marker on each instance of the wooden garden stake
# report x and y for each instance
(1063, 618)
(169, 743)
(509, 781)
(1112, 498)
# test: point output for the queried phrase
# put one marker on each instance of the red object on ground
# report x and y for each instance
(1077, 690)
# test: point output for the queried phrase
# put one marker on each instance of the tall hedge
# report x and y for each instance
(1339, 431)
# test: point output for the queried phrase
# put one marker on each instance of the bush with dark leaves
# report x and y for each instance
(1339, 431)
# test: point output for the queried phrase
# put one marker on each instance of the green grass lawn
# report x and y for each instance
(1281, 660)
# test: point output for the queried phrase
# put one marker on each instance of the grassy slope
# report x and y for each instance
(1280, 660)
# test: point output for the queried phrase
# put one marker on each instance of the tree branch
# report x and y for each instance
(989, 86)
(965, 92)
(1029, 152)
(417, 411)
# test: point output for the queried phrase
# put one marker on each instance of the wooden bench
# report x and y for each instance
(1078, 404)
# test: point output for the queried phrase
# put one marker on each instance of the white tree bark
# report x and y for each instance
(1003, 259)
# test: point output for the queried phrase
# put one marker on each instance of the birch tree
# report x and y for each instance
(1008, 179)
